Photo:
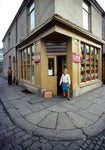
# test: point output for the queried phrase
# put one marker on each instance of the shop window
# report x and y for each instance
(24, 64)
(31, 16)
(28, 63)
(21, 65)
(89, 62)
(82, 55)
(51, 66)
(32, 63)
(86, 15)
(96, 65)
(92, 63)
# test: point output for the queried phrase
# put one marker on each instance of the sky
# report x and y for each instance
(8, 10)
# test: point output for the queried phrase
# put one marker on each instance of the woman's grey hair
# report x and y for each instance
(65, 69)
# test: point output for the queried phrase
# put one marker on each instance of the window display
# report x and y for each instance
(89, 62)
(82, 55)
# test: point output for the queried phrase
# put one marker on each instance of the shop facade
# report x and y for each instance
(57, 43)
(41, 63)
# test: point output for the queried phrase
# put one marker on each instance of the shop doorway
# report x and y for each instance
(61, 64)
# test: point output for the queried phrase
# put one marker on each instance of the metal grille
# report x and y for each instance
(60, 47)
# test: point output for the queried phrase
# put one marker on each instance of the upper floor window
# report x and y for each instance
(86, 15)
(31, 16)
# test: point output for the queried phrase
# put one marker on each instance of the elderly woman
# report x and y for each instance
(65, 81)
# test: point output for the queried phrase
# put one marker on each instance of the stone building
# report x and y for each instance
(103, 54)
(48, 35)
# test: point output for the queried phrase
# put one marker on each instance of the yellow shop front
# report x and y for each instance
(59, 46)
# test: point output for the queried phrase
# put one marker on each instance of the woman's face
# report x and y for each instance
(65, 72)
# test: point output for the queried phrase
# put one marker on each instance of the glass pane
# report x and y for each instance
(33, 64)
(21, 65)
(32, 55)
(92, 63)
(31, 7)
(33, 80)
(85, 6)
(85, 20)
(25, 64)
(96, 57)
(82, 55)
(51, 66)
(28, 67)
(28, 56)
(32, 20)
(87, 63)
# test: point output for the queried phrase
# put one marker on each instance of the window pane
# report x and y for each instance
(85, 20)
(21, 65)
(32, 55)
(33, 80)
(31, 7)
(33, 64)
(82, 55)
(51, 66)
(25, 64)
(28, 67)
(87, 63)
(32, 20)
(28, 56)
(96, 57)
(92, 63)
(85, 6)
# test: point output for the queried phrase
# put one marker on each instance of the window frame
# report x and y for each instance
(96, 65)
(24, 64)
(89, 14)
(29, 14)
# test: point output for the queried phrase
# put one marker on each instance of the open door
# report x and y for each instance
(52, 74)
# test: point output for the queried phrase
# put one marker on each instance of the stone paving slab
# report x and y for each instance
(55, 118)
(64, 124)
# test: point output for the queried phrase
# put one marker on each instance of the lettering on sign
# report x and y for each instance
(76, 57)
(37, 57)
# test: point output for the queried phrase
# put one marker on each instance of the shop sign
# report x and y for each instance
(76, 57)
(37, 57)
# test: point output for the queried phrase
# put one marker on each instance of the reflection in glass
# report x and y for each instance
(51, 66)
(85, 20)
(82, 55)
(87, 63)
(32, 20)
(96, 57)
(33, 80)
(25, 64)
(92, 63)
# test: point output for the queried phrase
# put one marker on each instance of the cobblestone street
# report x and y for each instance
(14, 138)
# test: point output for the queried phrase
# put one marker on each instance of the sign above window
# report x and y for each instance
(37, 57)
(76, 57)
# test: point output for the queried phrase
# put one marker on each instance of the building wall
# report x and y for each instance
(96, 19)
(44, 9)
(70, 10)
(22, 26)
(103, 32)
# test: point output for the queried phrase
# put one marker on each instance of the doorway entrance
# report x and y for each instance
(61, 64)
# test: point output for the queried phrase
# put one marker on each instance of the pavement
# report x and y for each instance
(55, 118)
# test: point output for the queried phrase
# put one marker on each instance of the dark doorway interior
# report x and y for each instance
(61, 64)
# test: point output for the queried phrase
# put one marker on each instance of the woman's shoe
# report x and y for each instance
(68, 99)
(63, 96)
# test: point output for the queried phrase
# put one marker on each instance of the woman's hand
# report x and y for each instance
(59, 84)
(68, 85)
